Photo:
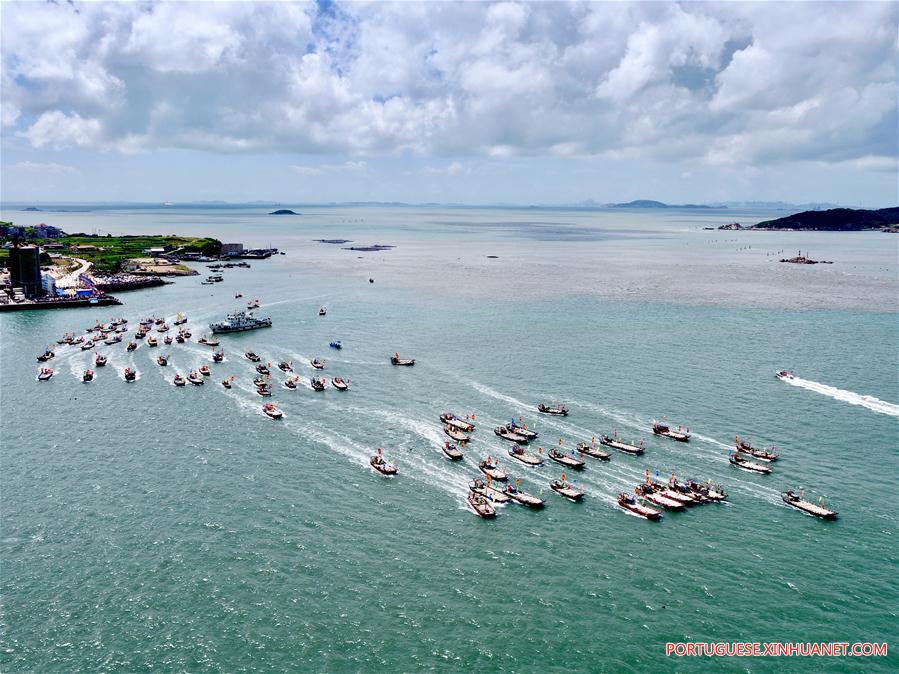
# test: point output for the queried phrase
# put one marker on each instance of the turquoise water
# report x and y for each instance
(153, 527)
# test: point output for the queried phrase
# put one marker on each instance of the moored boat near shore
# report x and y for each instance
(797, 501)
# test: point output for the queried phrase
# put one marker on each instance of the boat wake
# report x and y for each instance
(869, 402)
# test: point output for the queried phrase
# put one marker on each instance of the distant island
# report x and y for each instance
(283, 211)
(649, 203)
(836, 220)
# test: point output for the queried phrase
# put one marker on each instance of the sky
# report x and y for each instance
(470, 102)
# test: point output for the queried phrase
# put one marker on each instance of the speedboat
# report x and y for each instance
(745, 464)
(264, 390)
(291, 383)
(628, 502)
(227, 382)
(178, 380)
(451, 419)
(179, 338)
(340, 383)
(336, 344)
(87, 345)
(130, 375)
(456, 434)
(452, 451)
(131, 346)
(511, 436)
(204, 370)
(262, 369)
(379, 464)
(480, 506)
(396, 360)
(515, 493)
(271, 410)
(45, 374)
(151, 341)
(249, 355)
(626, 447)
(490, 493)
(99, 360)
(180, 320)
(218, 356)
(663, 429)
(163, 360)
(45, 356)
(565, 459)
(88, 375)
(253, 304)
(113, 339)
(318, 383)
(555, 408)
(566, 490)
(318, 363)
(593, 450)
(285, 366)
(521, 454)
(322, 312)
(818, 510)
(140, 334)
(490, 468)
(202, 340)
(784, 375)
(162, 328)
(196, 378)
(159, 321)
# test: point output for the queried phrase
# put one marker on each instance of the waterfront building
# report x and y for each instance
(229, 249)
(25, 270)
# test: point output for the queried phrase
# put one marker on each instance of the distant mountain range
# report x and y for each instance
(649, 203)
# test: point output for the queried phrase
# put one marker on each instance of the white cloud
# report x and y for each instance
(322, 169)
(723, 83)
(39, 167)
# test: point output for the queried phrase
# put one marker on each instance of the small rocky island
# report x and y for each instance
(283, 211)
(802, 259)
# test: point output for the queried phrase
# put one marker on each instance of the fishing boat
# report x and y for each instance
(163, 328)
(322, 312)
(227, 382)
(452, 451)
(818, 510)
(318, 363)
(202, 340)
(318, 383)
(122, 329)
(628, 502)
(45, 356)
(87, 345)
(218, 356)
(520, 454)
(490, 493)
(271, 410)
(565, 459)
(131, 346)
(151, 341)
(519, 428)
(180, 320)
(140, 334)
(204, 370)
(88, 375)
(45, 374)
(513, 491)
(456, 434)
(112, 340)
(554, 408)
(253, 304)
(237, 296)
(163, 360)
(511, 436)
(451, 419)
(707, 491)
(262, 369)
(648, 493)
(196, 378)
(291, 383)
(785, 375)
(285, 366)
(212, 341)
(185, 333)
(396, 360)
(665, 491)
(258, 381)
(480, 506)
(340, 383)
(379, 464)
(566, 489)
(159, 321)
(336, 345)
(264, 390)
(763, 455)
(663, 429)
(745, 464)
(626, 447)
(179, 338)
(490, 468)
(130, 375)
(594, 451)
(249, 355)
(99, 360)
(178, 380)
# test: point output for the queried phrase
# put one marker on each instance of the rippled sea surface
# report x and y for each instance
(148, 527)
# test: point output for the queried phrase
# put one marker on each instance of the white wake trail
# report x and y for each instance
(870, 402)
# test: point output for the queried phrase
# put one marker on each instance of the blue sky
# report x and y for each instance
(449, 102)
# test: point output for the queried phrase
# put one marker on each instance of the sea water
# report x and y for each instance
(150, 527)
